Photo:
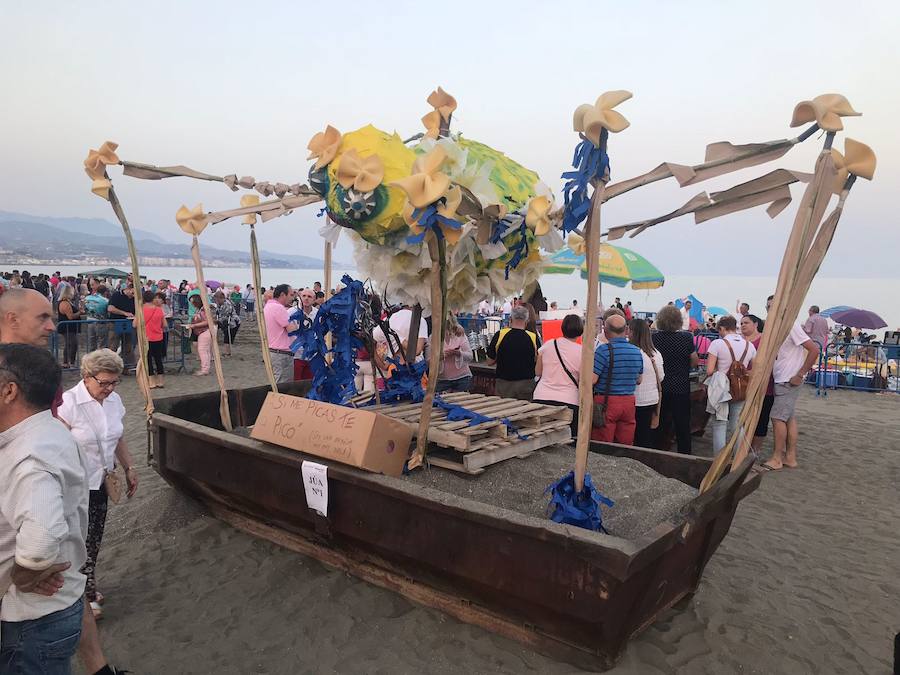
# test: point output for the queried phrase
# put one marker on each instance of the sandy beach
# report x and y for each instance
(803, 583)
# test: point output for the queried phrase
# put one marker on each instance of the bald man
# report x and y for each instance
(618, 365)
(26, 317)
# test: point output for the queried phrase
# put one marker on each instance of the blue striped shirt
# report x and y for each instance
(627, 365)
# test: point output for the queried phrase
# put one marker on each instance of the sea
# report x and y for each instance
(881, 296)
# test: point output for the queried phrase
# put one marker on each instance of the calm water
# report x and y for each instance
(879, 295)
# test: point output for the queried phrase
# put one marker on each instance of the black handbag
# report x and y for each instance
(598, 419)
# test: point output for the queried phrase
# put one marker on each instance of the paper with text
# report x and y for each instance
(315, 482)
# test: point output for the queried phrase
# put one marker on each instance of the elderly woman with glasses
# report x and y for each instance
(94, 412)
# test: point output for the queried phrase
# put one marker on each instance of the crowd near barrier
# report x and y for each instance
(74, 339)
(863, 366)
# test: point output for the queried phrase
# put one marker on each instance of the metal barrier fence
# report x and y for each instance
(74, 338)
(480, 330)
(862, 366)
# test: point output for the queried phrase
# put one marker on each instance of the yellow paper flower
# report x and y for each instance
(95, 167)
(249, 200)
(825, 110)
(361, 173)
(324, 146)
(427, 183)
(192, 221)
(538, 215)
(590, 119)
(576, 243)
(432, 122)
(442, 102)
(859, 159)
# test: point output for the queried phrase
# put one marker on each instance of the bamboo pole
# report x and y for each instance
(143, 349)
(260, 314)
(437, 250)
(224, 412)
(327, 270)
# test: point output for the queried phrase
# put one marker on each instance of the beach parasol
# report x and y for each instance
(618, 265)
(827, 313)
(213, 284)
(718, 311)
(858, 318)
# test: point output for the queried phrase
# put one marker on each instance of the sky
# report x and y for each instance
(235, 87)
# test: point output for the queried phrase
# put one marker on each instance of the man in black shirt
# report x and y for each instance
(514, 350)
(121, 306)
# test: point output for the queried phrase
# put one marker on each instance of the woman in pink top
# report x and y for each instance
(455, 373)
(557, 365)
(200, 328)
(154, 326)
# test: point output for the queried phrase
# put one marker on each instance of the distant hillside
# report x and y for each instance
(51, 239)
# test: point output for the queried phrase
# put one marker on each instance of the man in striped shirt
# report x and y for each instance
(627, 368)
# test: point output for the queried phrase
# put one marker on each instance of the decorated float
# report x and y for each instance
(532, 546)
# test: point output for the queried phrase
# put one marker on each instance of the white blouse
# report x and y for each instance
(97, 428)
(647, 393)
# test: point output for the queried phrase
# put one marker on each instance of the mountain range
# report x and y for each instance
(49, 239)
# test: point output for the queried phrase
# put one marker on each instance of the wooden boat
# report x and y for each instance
(570, 593)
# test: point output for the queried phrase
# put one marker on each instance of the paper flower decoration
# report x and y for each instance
(446, 210)
(192, 221)
(95, 167)
(432, 122)
(324, 146)
(427, 183)
(590, 119)
(858, 159)
(249, 200)
(538, 215)
(442, 102)
(360, 173)
(576, 243)
(825, 110)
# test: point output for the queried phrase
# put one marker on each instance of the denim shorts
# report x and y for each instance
(42, 646)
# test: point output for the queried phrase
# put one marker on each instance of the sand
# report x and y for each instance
(805, 582)
(641, 497)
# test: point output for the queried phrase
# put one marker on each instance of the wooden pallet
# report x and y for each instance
(459, 446)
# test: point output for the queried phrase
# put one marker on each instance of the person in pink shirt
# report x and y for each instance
(155, 327)
(558, 364)
(278, 325)
(200, 329)
(455, 374)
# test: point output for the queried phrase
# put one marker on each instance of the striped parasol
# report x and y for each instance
(618, 266)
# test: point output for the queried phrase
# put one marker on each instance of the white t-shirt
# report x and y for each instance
(685, 318)
(791, 355)
(399, 323)
(719, 349)
(484, 308)
(507, 307)
(646, 393)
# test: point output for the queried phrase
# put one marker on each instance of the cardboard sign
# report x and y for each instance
(315, 482)
(354, 436)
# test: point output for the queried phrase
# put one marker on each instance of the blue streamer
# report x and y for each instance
(589, 162)
(429, 219)
(499, 230)
(404, 384)
(581, 509)
(519, 249)
(338, 316)
(458, 413)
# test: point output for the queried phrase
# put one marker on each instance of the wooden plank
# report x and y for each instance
(453, 466)
(482, 458)
(500, 442)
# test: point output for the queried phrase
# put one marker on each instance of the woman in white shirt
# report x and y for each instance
(94, 412)
(647, 392)
(722, 353)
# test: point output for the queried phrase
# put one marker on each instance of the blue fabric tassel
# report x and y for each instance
(334, 383)
(580, 509)
(589, 162)
(519, 250)
(458, 413)
(429, 219)
(404, 384)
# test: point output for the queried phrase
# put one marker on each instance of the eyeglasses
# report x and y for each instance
(106, 384)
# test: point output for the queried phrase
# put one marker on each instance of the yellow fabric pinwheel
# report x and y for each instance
(577, 243)
(590, 119)
(324, 146)
(361, 173)
(538, 215)
(432, 122)
(442, 102)
(192, 221)
(825, 110)
(858, 159)
(249, 200)
(427, 183)
(95, 167)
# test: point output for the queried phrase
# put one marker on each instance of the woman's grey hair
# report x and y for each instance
(67, 292)
(668, 319)
(519, 314)
(101, 361)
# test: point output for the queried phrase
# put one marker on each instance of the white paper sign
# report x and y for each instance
(315, 481)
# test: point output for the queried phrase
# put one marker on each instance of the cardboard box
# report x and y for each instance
(353, 436)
